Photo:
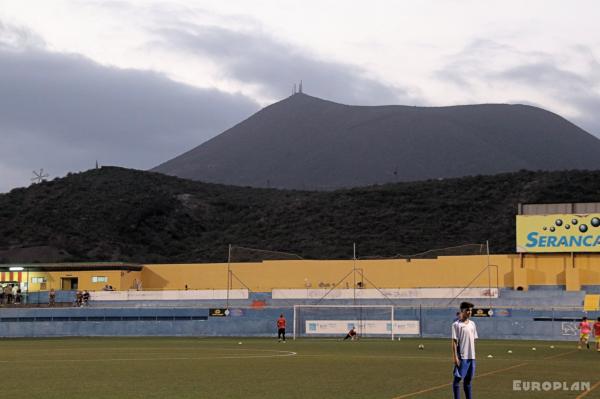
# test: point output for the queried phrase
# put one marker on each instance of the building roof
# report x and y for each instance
(73, 266)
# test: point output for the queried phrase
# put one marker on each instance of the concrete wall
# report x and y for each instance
(435, 322)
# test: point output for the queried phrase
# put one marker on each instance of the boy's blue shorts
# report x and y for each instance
(465, 370)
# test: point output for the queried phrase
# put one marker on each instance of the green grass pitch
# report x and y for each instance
(263, 368)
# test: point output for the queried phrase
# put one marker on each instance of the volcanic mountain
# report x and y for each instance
(305, 142)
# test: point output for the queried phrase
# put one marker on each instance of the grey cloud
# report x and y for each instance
(573, 89)
(62, 112)
(532, 70)
(255, 58)
(543, 74)
(18, 37)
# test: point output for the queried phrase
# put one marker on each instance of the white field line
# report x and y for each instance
(437, 387)
(596, 385)
(250, 356)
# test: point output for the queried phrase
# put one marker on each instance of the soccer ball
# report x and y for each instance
(421, 346)
(533, 349)
(551, 346)
(239, 343)
(509, 351)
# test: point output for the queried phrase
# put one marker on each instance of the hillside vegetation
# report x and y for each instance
(111, 214)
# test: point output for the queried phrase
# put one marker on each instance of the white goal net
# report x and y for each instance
(336, 320)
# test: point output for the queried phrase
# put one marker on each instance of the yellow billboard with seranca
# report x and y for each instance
(558, 233)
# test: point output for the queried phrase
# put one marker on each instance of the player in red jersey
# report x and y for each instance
(281, 328)
(584, 337)
(597, 333)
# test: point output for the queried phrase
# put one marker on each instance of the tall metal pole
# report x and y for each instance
(487, 244)
(228, 274)
(27, 285)
(295, 322)
(354, 272)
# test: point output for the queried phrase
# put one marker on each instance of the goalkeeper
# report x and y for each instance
(351, 334)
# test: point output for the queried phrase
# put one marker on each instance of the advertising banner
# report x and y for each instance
(218, 312)
(558, 233)
(482, 312)
(168, 295)
(370, 327)
(386, 293)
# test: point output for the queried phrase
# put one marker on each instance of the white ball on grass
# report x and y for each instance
(533, 349)
(239, 343)
(509, 351)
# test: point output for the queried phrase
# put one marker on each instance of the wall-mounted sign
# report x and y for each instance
(558, 233)
(218, 312)
(482, 312)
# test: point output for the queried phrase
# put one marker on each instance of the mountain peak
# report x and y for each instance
(304, 142)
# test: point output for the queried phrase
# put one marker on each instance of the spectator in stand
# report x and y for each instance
(8, 294)
(18, 295)
(86, 298)
(78, 298)
(14, 290)
(51, 297)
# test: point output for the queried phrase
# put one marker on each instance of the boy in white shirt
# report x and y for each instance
(464, 334)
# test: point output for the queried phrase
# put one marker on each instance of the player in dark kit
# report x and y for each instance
(281, 328)
(351, 334)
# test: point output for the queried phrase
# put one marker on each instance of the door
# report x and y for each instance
(69, 283)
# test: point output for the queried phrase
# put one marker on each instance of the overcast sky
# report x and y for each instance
(136, 83)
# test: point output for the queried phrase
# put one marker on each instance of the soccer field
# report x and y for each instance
(263, 368)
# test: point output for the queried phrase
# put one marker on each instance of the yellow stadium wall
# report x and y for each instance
(453, 271)
(515, 270)
(120, 280)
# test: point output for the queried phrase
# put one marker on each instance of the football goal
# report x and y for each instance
(337, 320)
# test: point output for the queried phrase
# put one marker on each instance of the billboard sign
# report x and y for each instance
(558, 233)
(366, 327)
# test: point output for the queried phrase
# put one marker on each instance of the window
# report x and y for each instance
(38, 280)
(99, 279)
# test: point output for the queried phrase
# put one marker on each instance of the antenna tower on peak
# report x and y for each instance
(300, 87)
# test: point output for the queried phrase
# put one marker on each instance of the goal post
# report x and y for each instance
(337, 320)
